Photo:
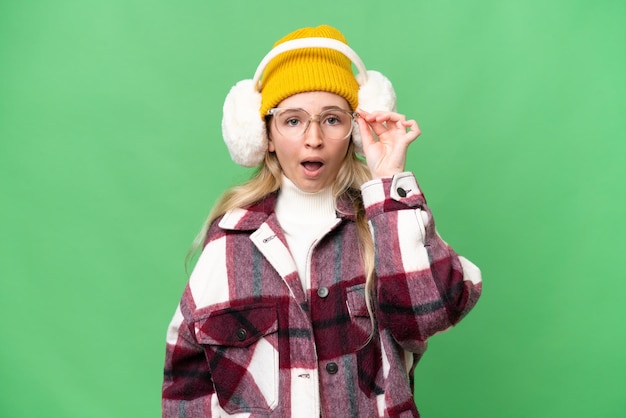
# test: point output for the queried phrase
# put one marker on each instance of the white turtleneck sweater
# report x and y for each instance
(304, 217)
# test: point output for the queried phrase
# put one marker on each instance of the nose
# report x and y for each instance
(313, 134)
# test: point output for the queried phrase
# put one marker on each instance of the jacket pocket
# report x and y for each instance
(368, 356)
(359, 315)
(241, 344)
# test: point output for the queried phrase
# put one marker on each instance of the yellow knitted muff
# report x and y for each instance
(309, 69)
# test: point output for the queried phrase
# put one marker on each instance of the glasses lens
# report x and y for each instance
(291, 122)
(335, 124)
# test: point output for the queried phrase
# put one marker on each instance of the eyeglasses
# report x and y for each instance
(335, 124)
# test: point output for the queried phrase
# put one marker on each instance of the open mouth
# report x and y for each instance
(312, 166)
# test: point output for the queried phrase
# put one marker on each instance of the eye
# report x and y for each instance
(333, 118)
(291, 118)
(292, 122)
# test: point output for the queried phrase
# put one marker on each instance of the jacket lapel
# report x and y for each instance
(268, 242)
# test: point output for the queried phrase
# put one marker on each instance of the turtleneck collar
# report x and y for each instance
(295, 205)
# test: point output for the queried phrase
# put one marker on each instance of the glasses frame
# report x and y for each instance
(353, 115)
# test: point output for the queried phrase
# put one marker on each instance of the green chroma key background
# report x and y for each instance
(111, 156)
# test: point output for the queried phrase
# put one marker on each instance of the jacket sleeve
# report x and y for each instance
(423, 287)
(187, 386)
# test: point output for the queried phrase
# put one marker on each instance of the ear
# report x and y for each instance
(270, 142)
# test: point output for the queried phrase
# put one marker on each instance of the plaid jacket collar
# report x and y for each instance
(253, 216)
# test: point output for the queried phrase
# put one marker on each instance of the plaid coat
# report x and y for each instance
(246, 341)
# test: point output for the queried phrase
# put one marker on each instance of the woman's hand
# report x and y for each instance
(387, 155)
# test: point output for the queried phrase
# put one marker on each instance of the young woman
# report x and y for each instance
(320, 279)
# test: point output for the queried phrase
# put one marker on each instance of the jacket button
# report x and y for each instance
(322, 292)
(241, 334)
(401, 192)
(332, 368)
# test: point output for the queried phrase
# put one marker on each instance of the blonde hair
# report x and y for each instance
(267, 179)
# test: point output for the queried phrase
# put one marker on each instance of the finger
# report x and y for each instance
(382, 122)
(389, 117)
(366, 134)
(399, 122)
(391, 121)
(413, 129)
(370, 120)
(379, 128)
(373, 116)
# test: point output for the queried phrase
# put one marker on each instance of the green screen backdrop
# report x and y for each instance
(111, 157)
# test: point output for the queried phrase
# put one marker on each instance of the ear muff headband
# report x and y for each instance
(303, 43)
(244, 130)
